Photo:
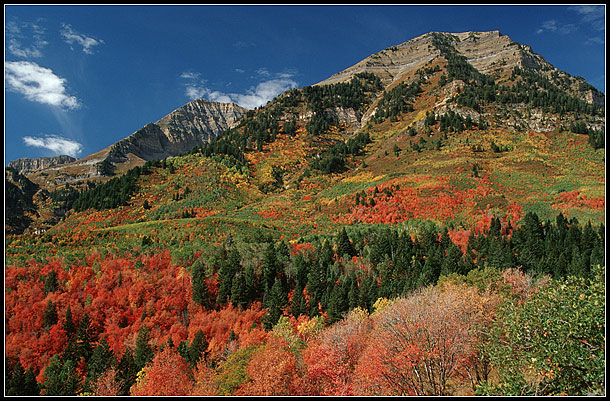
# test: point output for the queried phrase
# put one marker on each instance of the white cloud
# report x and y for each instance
(556, 27)
(592, 15)
(71, 37)
(18, 32)
(254, 97)
(38, 84)
(189, 75)
(264, 92)
(56, 144)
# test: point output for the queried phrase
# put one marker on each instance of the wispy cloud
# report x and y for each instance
(256, 96)
(38, 84)
(19, 32)
(189, 75)
(57, 144)
(592, 15)
(71, 37)
(556, 27)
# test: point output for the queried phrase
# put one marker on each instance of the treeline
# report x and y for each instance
(352, 94)
(355, 94)
(397, 264)
(115, 192)
(532, 89)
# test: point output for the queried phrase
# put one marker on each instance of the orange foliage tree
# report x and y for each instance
(419, 345)
(167, 374)
(331, 357)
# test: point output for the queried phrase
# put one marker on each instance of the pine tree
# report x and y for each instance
(338, 303)
(69, 323)
(127, 372)
(275, 302)
(451, 262)
(101, 359)
(201, 293)
(198, 347)
(316, 286)
(81, 345)
(239, 291)
(344, 245)
(50, 282)
(269, 267)
(144, 352)
(229, 267)
(60, 378)
(49, 318)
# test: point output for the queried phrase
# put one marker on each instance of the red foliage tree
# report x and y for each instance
(166, 375)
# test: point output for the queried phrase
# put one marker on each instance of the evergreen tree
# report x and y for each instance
(239, 291)
(269, 267)
(81, 346)
(50, 282)
(19, 381)
(344, 245)
(353, 295)
(198, 348)
(275, 301)
(144, 352)
(101, 359)
(201, 293)
(30, 385)
(316, 286)
(452, 261)
(60, 378)
(69, 323)
(49, 318)
(338, 303)
(252, 283)
(127, 372)
(229, 267)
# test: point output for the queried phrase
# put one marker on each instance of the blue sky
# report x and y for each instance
(79, 78)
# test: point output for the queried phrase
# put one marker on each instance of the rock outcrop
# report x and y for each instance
(491, 53)
(193, 124)
(27, 166)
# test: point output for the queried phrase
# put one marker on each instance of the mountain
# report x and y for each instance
(194, 124)
(489, 53)
(26, 166)
(454, 181)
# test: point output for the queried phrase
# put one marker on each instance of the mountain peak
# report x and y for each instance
(490, 52)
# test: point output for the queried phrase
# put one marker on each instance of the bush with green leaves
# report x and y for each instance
(553, 344)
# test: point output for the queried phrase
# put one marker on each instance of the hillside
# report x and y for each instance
(454, 183)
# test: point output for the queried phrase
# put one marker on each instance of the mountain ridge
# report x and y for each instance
(193, 124)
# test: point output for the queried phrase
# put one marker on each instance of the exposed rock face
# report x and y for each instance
(26, 166)
(193, 124)
(490, 52)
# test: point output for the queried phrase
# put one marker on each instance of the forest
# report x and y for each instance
(365, 311)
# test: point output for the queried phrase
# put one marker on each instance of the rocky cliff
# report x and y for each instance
(193, 124)
(491, 53)
(27, 166)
